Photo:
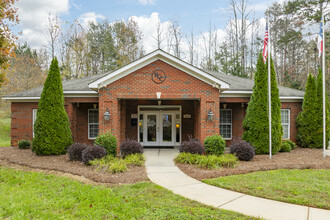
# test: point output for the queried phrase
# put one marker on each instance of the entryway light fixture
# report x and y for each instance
(224, 106)
(210, 115)
(94, 106)
(107, 115)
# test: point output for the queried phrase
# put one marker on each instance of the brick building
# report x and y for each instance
(158, 100)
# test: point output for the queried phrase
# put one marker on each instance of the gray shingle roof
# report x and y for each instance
(244, 84)
(236, 84)
(80, 84)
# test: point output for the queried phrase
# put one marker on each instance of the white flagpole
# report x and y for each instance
(323, 85)
(269, 95)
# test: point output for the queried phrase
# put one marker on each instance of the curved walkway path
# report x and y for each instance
(162, 171)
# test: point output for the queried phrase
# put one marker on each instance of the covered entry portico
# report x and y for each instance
(159, 125)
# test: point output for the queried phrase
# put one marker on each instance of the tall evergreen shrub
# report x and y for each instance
(319, 113)
(255, 124)
(52, 128)
(307, 119)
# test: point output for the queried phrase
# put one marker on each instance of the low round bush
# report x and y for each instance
(215, 145)
(93, 152)
(243, 150)
(24, 144)
(75, 151)
(192, 146)
(292, 144)
(129, 147)
(108, 141)
(286, 147)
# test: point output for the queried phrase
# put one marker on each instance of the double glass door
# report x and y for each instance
(157, 128)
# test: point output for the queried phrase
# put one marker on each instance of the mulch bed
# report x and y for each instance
(299, 158)
(17, 158)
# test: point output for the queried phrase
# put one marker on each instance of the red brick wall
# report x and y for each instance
(238, 114)
(21, 119)
(295, 108)
(178, 85)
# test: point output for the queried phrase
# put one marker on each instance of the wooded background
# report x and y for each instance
(105, 46)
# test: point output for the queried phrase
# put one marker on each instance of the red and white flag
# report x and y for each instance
(265, 51)
(320, 40)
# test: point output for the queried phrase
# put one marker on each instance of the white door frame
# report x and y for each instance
(159, 111)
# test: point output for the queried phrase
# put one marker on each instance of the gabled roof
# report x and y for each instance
(167, 58)
(232, 86)
(239, 85)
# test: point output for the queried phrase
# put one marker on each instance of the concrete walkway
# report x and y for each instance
(162, 171)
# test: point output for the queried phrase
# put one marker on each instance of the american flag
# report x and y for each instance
(320, 40)
(264, 53)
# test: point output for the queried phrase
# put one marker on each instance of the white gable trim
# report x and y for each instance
(158, 55)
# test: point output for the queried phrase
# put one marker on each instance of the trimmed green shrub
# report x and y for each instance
(307, 121)
(208, 161)
(192, 146)
(256, 122)
(52, 128)
(92, 153)
(135, 159)
(108, 141)
(243, 150)
(215, 145)
(24, 144)
(130, 147)
(75, 151)
(286, 147)
(292, 144)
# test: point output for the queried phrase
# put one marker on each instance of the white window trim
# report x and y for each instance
(288, 124)
(89, 137)
(34, 113)
(231, 124)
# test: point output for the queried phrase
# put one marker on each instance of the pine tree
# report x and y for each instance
(52, 128)
(256, 122)
(307, 119)
(318, 139)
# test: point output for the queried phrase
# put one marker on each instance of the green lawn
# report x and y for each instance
(28, 195)
(4, 132)
(303, 187)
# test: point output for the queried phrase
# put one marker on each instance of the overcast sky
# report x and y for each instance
(191, 14)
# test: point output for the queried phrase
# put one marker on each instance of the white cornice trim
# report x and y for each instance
(157, 55)
(237, 92)
(80, 92)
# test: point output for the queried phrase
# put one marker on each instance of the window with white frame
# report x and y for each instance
(285, 121)
(226, 123)
(34, 118)
(93, 123)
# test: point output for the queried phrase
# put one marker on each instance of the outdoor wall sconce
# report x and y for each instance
(210, 115)
(242, 104)
(224, 106)
(107, 115)
(94, 106)
(177, 125)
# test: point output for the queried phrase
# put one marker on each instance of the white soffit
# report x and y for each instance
(158, 55)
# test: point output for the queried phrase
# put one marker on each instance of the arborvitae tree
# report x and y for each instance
(319, 114)
(52, 128)
(256, 122)
(307, 120)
